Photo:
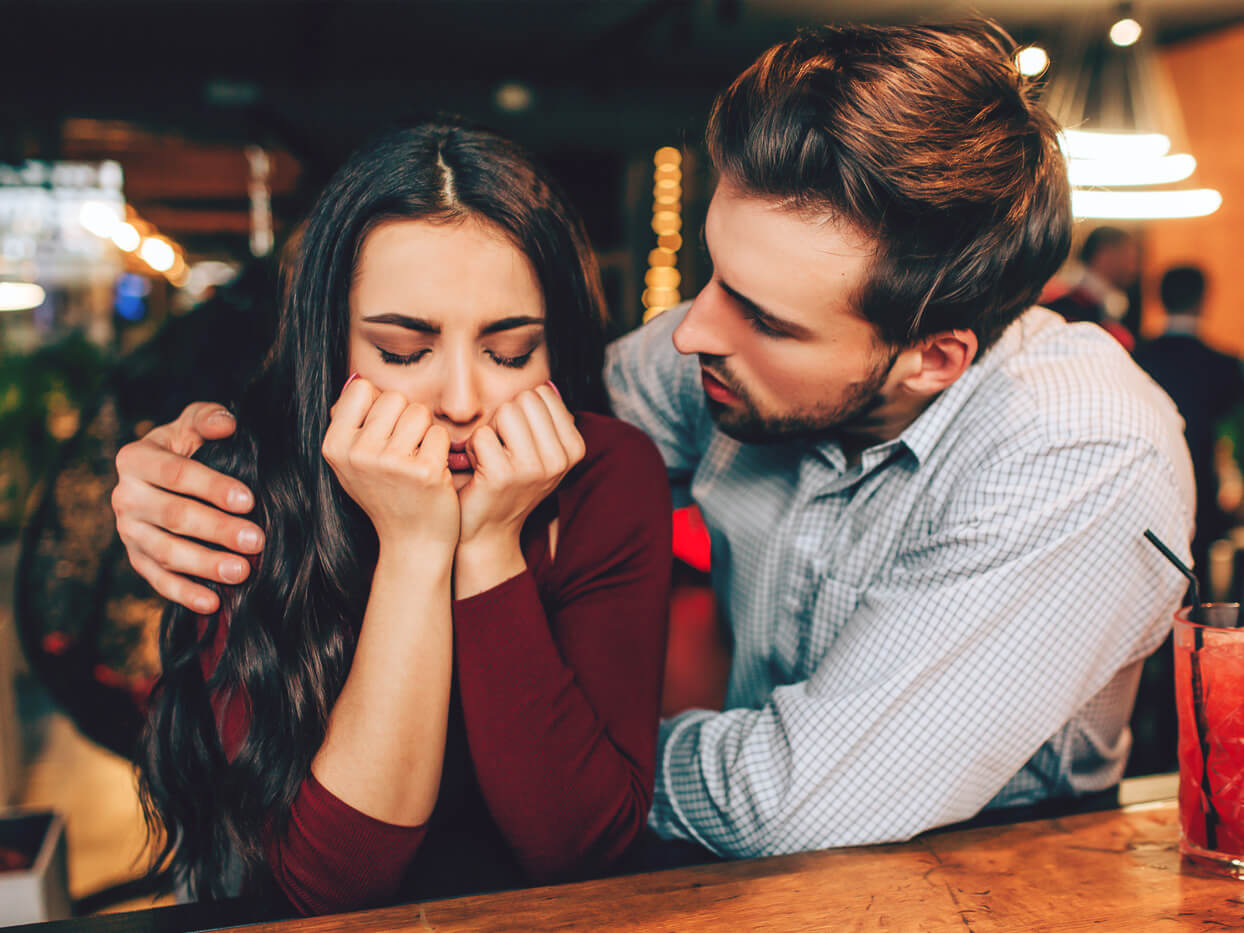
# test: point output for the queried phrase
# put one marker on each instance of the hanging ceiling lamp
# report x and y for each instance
(1119, 121)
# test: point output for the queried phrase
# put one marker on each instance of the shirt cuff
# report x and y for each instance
(677, 740)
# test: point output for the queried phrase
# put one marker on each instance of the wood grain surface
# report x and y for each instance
(1117, 870)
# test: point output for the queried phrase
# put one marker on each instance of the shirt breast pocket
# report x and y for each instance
(804, 635)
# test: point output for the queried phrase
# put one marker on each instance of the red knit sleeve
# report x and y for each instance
(561, 699)
(331, 857)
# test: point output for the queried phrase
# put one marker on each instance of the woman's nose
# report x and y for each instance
(459, 398)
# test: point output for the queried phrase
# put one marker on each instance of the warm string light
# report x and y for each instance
(662, 278)
(135, 236)
(20, 296)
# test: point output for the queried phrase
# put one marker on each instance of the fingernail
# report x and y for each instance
(233, 571)
(204, 605)
(239, 499)
(353, 376)
(221, 416)
(249, 539)
(554, 388)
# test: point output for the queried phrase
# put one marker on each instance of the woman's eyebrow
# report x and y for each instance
(509, 323)
(402, 320)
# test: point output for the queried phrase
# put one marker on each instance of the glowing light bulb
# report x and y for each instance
(99, 218)
(1032, 61)
(1125, 32)
(1144, 205)
(157, 254)
(127, 237)
(1086, 144)
(1093, 173)
(667, 155)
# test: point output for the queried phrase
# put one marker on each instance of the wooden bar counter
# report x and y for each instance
(1114, 870)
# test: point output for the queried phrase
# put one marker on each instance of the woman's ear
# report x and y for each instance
(938, 360)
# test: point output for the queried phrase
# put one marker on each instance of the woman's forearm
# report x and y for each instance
(383, 749)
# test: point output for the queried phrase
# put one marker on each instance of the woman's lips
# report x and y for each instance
(716, 390)
(459, 462)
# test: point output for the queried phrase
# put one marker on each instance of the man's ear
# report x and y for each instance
(938, 360)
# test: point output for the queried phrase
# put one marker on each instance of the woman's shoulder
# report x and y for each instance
(621, 481)
(615, 450)
(614, 507)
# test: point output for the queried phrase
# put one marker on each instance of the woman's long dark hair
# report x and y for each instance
(292, 625)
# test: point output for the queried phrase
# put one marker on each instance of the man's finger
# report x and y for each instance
(176, 589)
(143, 462)
(198, 421)
(189, 518)
(210, 421)
(182, 556)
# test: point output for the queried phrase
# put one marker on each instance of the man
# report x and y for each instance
(926, 503)
(1204, 384)
(1109, 266)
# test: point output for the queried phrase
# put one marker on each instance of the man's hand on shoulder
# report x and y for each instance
(165, 502)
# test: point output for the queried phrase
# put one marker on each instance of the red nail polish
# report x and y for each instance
(353, 376)
(554, 388)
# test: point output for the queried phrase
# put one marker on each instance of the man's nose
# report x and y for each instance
(704, 330)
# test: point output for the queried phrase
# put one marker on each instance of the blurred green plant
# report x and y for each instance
(42, 396)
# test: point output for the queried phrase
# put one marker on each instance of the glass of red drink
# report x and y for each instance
(1209, 698)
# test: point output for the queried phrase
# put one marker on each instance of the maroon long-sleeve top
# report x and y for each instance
(549, 758)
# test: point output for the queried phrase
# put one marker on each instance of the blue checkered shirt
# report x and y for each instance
(956, 621)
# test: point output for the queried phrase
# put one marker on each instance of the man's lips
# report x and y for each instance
(715, 389)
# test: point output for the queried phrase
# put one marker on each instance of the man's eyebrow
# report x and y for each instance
(403, 320)
(767, 318)
(509, 323)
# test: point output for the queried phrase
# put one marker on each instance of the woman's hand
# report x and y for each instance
(394, 462)
(518, 461)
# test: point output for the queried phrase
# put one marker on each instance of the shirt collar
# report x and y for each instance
(922, 435)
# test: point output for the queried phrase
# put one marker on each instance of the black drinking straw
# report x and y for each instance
(1179, 565)
(1198, 691)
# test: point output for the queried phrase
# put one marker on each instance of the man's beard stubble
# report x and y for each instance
(832, 421)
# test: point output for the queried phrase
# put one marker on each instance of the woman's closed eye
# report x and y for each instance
(517, 361)
(403, 359)
(498, 356)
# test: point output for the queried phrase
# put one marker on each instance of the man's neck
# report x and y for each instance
(884, 425)
(1182, 324)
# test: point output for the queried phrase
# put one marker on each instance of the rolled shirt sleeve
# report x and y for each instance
(1034, 594)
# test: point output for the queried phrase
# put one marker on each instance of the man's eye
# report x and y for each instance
(400, 359)
(758, 324)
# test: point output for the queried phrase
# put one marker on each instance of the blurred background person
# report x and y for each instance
(1097, 289)
(1206, 386)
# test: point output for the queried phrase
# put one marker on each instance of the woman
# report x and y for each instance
(444, 673)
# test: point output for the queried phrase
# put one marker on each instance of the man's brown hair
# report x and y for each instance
(927, 139)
